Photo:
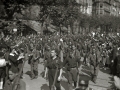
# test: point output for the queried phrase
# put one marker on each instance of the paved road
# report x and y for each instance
(103, 82)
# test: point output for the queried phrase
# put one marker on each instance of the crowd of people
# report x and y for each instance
(60, 52)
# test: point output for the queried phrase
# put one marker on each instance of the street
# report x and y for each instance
(104, 80)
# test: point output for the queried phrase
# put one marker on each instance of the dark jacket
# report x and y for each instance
(9, 85)
(71, 62)
(14, 63)
(93, 60)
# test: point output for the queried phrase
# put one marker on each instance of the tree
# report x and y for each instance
(60, 13)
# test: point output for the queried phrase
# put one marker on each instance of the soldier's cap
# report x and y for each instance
(1, 54)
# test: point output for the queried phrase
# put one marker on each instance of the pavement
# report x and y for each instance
(104, 80)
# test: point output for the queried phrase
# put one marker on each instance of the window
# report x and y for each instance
(101, 5)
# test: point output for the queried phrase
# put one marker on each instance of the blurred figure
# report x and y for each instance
(20, 61)
(14, 80)
(117, 82)
(6, 55)
(104, 56)
(52, 65)
(72, 69)
(2, 69)
(117, 65)
(34, 63)
(114, 61)
(83, 85)
(94, 65)
(13, 56)
(46, 55)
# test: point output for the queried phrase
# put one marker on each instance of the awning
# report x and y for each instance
(33, 25)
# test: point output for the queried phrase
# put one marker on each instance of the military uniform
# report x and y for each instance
(99, 58)
(114, 63)
(3, 44)
(104, 58)
(72, 70)
(13, 61)
(46, 56)
(34, 63)
(7, 65)
(94, 65)
(9, 85)
(85, 51)
(52, 64)
(20, 63)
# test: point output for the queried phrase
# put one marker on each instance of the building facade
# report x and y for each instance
(106, 7)
(115, 7)
(85, 6)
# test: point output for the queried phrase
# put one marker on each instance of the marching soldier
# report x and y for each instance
(46, 55)
(72, 69)
(13, 56)
(114, 63)
(104, 58)
(75, 51)
(20, 61)
(54, 64)
(94, 65)
(85, 49)
(34, 63)
(6, 55)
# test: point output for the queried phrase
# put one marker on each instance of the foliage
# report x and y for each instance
(58, 13)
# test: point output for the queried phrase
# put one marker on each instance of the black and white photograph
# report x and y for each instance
(59, 44)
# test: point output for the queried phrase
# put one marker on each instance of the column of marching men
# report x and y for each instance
(66, 52)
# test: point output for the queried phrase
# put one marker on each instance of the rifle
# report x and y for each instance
(78, 76)
(19, 75)
(53, 86)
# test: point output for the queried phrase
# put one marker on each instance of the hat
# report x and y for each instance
(1, 54)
